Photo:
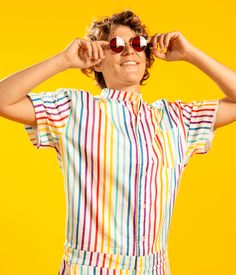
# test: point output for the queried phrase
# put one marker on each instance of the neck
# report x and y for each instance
(132, 88)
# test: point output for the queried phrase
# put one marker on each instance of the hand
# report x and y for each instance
(82, 53)
(176, 44)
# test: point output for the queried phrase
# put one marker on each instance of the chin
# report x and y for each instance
(132, 77)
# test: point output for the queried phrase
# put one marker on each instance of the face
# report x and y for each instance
(117, 75)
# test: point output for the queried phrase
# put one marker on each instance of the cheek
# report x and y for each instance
(108, 67)
(110, 60)
(144, 63)
(143, 59)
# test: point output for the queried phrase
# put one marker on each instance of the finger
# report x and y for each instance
(150, 38)
(100, 51)
(96, 61)
(95, 51)
(161, 42)
(103, 42)
(167, 40)
(87, 47)
(160, 54)
(155, 41)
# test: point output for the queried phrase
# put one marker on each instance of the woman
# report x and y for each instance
(122, 158)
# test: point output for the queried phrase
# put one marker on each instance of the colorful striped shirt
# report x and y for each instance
(122, 160)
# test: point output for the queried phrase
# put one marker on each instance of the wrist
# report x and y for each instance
(191, 54)
(62, 61)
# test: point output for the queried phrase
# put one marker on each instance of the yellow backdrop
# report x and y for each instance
(32, 205)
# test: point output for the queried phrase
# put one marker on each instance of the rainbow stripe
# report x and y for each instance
(122, 160)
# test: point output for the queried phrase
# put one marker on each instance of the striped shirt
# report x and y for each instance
(122, 160)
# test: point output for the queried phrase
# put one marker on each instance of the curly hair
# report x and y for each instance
(100, 30)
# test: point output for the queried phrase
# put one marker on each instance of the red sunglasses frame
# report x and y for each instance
(130, 43)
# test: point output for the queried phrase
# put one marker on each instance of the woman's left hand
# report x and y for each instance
(178, 47)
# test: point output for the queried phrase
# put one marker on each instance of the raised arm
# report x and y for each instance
(175, 47)
(224, 77)
(14, 103)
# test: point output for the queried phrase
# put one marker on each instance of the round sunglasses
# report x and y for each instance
(138, 43)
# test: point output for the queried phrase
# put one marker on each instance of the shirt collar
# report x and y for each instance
(121, 95)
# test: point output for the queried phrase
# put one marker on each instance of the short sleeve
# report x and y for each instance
(52, 110)
(198, 119)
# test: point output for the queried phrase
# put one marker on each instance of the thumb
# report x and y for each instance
(150, 41)
(159, 54)
(103, 42)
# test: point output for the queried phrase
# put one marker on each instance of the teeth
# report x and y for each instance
(128, 62)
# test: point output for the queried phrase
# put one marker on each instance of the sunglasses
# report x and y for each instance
(138, 43)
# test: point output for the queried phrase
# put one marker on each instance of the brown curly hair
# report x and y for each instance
(100, 30)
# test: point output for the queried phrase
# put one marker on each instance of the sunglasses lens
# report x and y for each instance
(117, 45)
(139, 43)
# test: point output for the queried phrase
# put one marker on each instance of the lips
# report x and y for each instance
(129, 62)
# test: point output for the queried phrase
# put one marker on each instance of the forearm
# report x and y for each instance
(223, 76)
(16, 86)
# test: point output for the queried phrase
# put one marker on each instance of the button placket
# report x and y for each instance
(143, 203)
(139, 239)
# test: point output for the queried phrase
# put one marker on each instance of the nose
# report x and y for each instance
(128, 48)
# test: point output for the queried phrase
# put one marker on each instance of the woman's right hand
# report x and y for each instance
(82, 53)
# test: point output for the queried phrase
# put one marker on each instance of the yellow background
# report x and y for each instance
(32, 205)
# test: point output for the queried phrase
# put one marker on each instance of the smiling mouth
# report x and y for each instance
(129, 63)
